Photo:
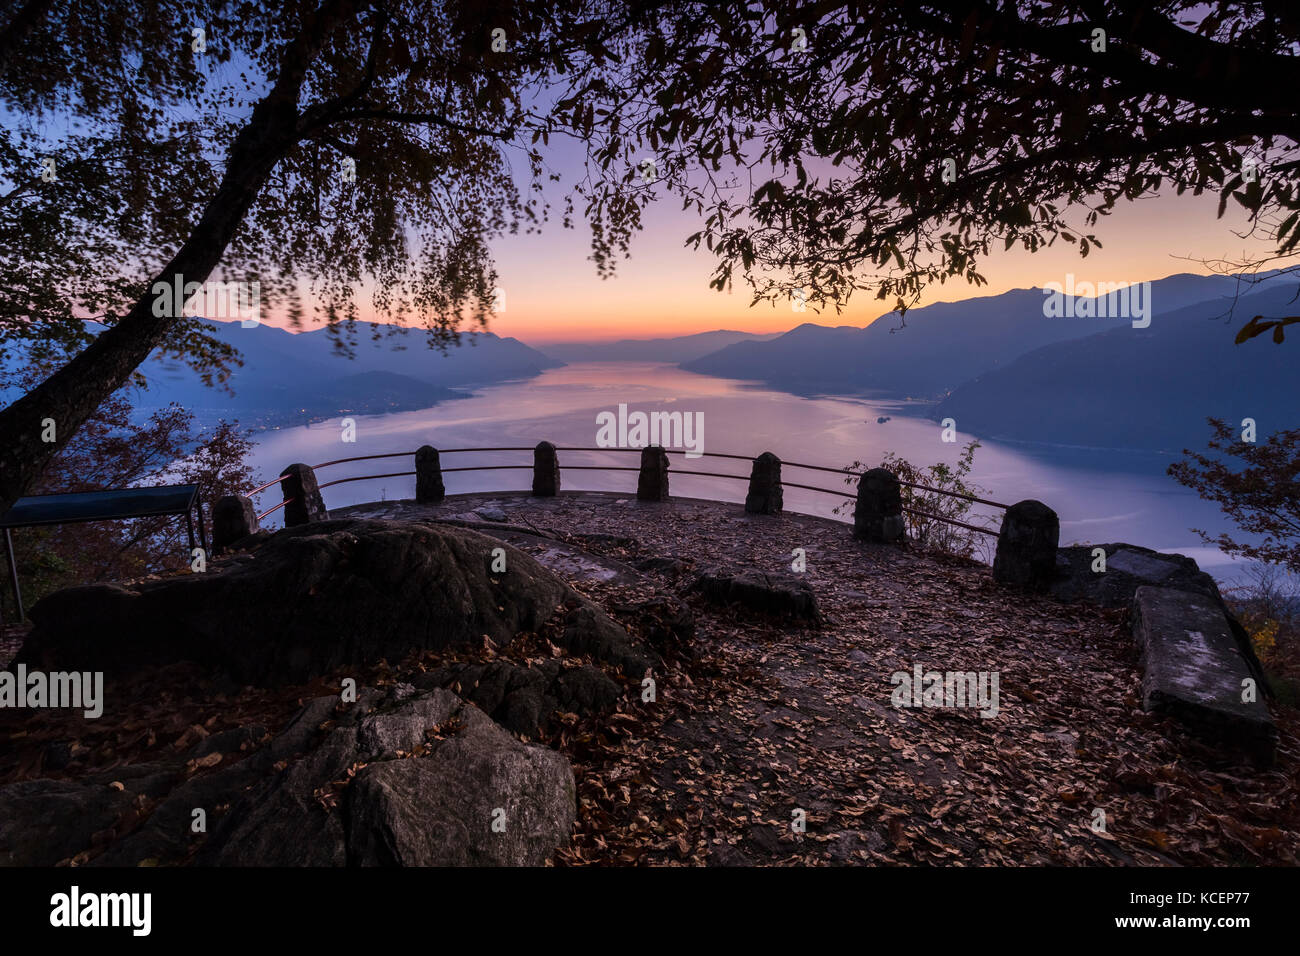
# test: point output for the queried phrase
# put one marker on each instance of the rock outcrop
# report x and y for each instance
(399, 778)
(770, 593)
(319, 597)
(1128, 568)
(525, 699)
(428, 780)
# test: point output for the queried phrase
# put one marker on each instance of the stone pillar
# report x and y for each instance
(546, 471)
(765, 496)
(429, 489)
(652, 482)
(299, 483)
(1026, 555)
(878, 517)
(233, 518)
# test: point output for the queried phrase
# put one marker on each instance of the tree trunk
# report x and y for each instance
(71, 395)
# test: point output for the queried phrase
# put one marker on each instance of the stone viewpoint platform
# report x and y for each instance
(709, 675)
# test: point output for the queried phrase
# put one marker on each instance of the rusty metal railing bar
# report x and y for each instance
(960, 524)
(586, 448)
(276, 508)
(395, 474)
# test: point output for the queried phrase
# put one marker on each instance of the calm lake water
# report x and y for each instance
(1100, 496)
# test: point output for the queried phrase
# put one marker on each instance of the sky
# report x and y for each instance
(552, 292)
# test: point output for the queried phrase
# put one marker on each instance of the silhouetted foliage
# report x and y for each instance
(1260, 492)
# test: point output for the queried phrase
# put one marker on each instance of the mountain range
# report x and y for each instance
(1002, 368)
(682, 348)
(289, 379)
(1149, 389)
(940, 346)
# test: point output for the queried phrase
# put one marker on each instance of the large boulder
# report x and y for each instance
(400, 777)
(423, 779)
(310, 600)
(1127, 568)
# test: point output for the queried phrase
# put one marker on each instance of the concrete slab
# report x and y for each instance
(1195, 672)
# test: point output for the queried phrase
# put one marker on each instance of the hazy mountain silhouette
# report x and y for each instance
(681, 348)
(1147, 388)
(942, 345)
(289, 378)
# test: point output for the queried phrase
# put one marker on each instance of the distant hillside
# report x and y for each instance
(1142, 388)
(942, 345)
(682, 348)
(292, 378)
(366, 393)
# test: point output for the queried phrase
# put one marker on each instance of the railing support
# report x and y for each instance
(298, 483)
(1026, 555)
(429, 488)
(233, 518)
(652, 481)
(878, 517)
(546, 471)
(765, 496)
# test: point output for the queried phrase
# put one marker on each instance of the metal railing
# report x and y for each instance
(581, 448)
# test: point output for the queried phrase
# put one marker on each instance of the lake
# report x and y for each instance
(1101, 496)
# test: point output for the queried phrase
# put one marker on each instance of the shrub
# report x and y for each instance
(929, 530)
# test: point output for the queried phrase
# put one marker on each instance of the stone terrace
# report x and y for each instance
(774, 717)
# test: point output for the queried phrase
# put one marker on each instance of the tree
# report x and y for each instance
(1260, 493)
(829, 149)
(426, 99)
(851, 146)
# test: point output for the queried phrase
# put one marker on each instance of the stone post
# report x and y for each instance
(233, 518)
(299, 483)
(429, 489)
(1026, 555)
(652, 482)
(546, 471)
(765, 496)
(878, 517)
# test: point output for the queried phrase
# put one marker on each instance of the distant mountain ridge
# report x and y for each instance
(942, 346)
(681, 348)
(290, 378)
(1149, 389)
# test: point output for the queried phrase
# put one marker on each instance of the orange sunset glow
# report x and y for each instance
(554, 295)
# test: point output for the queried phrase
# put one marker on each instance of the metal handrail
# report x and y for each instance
(268, 511)
(587, 448)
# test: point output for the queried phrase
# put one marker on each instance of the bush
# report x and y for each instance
(1268, 607)
(931, 532)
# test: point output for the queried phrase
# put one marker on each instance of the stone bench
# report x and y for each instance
(1195, 672)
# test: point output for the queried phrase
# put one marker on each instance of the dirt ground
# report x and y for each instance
(773, 718)
(763, 723)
